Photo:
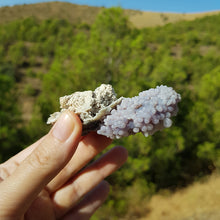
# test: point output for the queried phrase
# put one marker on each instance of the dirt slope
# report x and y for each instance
(201, 201)
(151, 19)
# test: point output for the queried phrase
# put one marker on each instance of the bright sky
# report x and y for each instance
(181, 6)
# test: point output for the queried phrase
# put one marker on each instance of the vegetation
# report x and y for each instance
(67, 57)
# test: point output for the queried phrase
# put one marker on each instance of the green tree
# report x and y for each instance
(9, 114)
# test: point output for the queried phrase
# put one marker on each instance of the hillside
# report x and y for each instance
(81, 13)
(152, 19)
(42, 11)
(199, 201)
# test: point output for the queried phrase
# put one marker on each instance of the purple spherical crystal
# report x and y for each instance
(148, 112)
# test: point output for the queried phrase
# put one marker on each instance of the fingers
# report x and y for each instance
(86, 208)
(26, 152)
(67, 196)
(52, 154)
(88, 148)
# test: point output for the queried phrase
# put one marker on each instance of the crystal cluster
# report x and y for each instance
(148, 112)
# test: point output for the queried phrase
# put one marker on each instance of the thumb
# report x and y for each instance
(43, 164)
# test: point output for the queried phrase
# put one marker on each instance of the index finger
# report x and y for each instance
(19, 157)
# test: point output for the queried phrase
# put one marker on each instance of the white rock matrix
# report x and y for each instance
(90, 106)
(101, 111)
(148, 112)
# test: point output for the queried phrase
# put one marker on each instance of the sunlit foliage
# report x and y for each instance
(66, 58)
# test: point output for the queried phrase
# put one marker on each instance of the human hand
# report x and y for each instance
(46, 180)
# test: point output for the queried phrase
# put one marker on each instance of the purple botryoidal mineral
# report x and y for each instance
(148, 112)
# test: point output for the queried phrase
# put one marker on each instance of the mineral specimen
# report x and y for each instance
(115, 118)
(146, 113)
(91, 106)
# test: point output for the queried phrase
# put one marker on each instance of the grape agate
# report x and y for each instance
(101, 111)
(146, 113)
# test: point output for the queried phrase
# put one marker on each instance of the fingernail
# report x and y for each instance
(63, 127)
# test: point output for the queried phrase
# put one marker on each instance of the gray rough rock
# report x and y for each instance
(101, 111)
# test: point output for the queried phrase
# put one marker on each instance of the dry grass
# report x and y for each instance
(200, 201)
(151, 19)
(82, 13)
(60, 10)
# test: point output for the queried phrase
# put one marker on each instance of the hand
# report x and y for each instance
(46, 180)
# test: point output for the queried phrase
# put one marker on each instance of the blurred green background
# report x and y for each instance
(41, 60)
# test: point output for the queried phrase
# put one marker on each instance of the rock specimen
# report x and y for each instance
(101, 111)
(91, 106)
(146, 113)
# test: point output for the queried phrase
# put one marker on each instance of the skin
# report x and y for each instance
(49, 180)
